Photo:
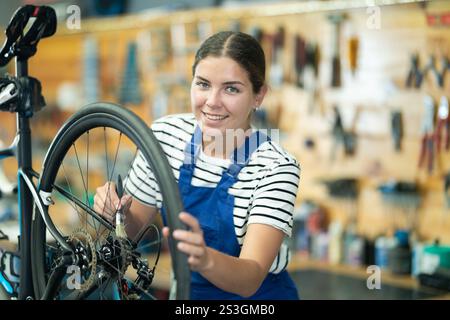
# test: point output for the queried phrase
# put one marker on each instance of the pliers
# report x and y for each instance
(437, 74)
(415, 76)
(427, 148)
(442, 124)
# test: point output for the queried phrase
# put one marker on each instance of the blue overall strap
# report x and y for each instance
(241, 155)
(192, 149)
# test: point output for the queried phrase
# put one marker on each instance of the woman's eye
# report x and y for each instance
(232, 89)
(202, 84)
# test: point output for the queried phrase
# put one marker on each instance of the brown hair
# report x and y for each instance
(239, 46)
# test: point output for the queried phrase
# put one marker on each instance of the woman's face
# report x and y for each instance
(222, 96)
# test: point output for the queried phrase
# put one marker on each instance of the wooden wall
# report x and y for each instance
(376, 89)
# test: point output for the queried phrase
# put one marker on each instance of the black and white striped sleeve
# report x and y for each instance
(141, 183)
(274, 198)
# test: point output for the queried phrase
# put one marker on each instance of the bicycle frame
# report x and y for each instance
(22, 149)
(22, 47)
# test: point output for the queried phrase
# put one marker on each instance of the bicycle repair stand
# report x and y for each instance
(22, 94)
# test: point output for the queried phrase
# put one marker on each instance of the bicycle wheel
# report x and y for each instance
(75, 252)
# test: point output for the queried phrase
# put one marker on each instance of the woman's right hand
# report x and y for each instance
(107, 202)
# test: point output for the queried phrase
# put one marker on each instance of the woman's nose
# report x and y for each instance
(213, 99)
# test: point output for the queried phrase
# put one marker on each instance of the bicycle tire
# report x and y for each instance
(98, 115)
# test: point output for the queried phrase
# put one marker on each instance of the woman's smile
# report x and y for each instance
(215, 118)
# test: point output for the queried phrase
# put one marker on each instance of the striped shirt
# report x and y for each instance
(264, 192)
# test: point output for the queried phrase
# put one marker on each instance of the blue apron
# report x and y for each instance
(213, 207)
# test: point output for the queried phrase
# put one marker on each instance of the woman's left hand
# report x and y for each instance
(192, 243)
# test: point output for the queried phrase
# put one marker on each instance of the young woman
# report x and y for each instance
(237, 185)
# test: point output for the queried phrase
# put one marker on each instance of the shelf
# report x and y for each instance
(163, 17)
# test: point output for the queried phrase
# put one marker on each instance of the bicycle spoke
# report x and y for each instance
(112, 171)
(81, 171)
(128, 173)
(114, 163)
(71, 202)
(107, 169)
(87, 183)
(86, 208)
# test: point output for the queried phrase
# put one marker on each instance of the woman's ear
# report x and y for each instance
(260, 96)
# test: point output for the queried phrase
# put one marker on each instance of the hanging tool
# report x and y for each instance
(442, 125)
(91, 70)
(397, 129)
(311, 74)
(337, 131)
(445, 65)
(353, 44)
(336, 20)
(342, 187)
(130, 90)
(414, 78)
(257, 33)
(313, 57)
(299, 60)
(341, 136)
(427, 129)
(431, 67)
(276, 68)
(447, 189)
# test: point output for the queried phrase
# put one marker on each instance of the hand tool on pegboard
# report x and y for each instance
(346, 188)
(414, 78)
(90, 70)
(427, 129)
(311, 74)
(397, 129)
(343, 136)
(276, 67)
(337, 132)
(257, 33)
(299, 59)
(442, 126)
(404, 195)
(336, 20)
(130, 89)
(438, 75)
(353, 46)
(447, 189)
(313, 57)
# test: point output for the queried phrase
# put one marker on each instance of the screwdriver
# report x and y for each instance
(353, 43)
(120, 227)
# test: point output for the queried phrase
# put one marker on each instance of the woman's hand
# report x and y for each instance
(192, 243)
(107, 202)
